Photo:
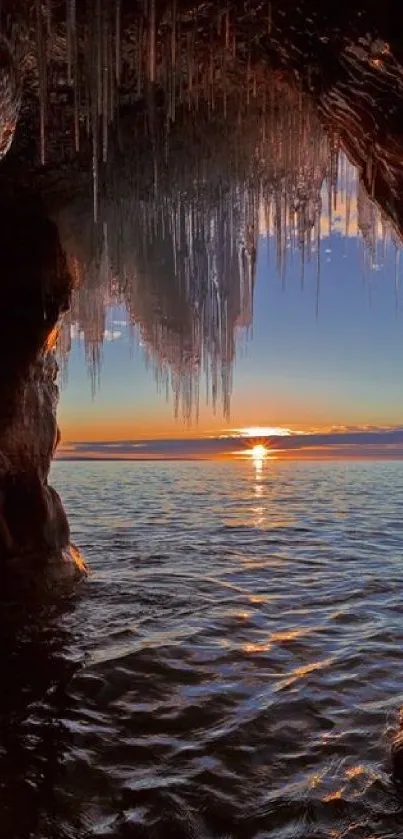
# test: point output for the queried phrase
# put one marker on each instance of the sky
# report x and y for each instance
(310, 364)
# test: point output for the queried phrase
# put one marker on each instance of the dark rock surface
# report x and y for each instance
(36, 287)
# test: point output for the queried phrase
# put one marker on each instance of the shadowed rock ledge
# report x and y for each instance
(35, 548)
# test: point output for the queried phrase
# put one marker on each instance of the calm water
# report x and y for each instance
(233, 667)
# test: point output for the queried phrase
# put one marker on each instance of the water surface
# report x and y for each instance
(232, 667)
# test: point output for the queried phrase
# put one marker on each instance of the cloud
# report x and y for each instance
(358, 443)
(347, 429)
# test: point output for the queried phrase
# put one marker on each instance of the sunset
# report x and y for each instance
(320, 380)
(201, 419)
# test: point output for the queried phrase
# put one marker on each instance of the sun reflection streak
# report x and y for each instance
(258, 454)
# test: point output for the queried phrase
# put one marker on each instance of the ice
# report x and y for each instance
(213, 150)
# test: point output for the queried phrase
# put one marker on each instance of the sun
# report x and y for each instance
(258, 452)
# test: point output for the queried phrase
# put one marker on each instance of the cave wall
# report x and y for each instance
(35, 292)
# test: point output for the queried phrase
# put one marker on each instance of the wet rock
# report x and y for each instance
(10, 97)
(36, 285)
(397, 757)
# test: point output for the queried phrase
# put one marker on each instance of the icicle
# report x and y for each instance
(98, 50)
(173, 59)
(69, 38)
(118, 41)
(173, 34)
(179, 62)
(373, 179)
(195, 63)
(211, 74)
(112, 82)
(49, 20)
(139, 57)
(269, 18)
(227, 30)
(330, 206)
(105, 88)
(43, 84)
(318, 262)
(190, 65)
(397, 259)
(95, 86)
(76, 91)
(224, 83)
(348, 210)
(151, 42)
(248, 74)
(87, 46)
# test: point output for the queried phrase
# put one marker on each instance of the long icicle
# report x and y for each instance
(49, 21)
(118, 41)
(105, 86)
(173, 59)
(151, 42)
(69, 39)
(139, 57)
(76, 81)
(96, 102)
(98, 49)
(88, 47)
(112, 80)
(42, 73)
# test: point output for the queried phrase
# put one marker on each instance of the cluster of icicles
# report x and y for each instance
(182, 192)
(87, 46)
(105, 61)
(181, 258)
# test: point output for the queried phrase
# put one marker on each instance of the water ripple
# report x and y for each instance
(232, 671)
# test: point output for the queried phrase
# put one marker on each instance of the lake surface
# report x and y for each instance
(232, 668)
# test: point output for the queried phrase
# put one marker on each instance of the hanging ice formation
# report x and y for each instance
(178, 217)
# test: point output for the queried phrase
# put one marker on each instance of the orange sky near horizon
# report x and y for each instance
(97, 427)
(96, 430)
(88, 423)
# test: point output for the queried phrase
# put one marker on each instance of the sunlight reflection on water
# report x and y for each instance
(219, 675)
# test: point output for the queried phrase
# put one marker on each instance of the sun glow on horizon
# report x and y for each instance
(258, 452)
(264, 431)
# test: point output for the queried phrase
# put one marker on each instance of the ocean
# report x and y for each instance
(231, 668)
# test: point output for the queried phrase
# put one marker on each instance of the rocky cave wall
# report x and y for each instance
(35, 292)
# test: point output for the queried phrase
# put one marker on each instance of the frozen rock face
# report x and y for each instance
(10, 99)
(35, 549)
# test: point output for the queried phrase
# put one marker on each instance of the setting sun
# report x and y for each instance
(258, 452)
